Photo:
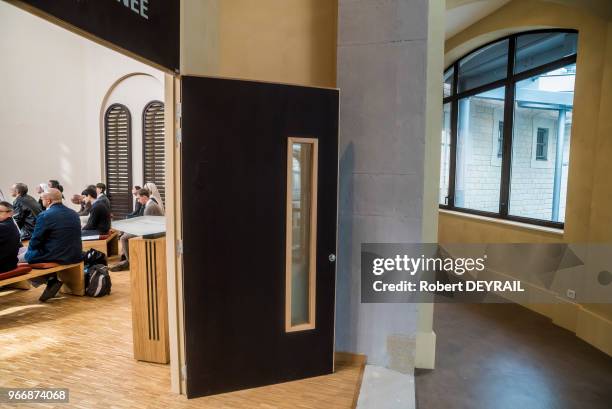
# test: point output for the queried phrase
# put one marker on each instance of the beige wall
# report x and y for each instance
(289, 41)
(589, 213)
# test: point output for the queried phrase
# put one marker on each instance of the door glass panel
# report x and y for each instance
(301, 233)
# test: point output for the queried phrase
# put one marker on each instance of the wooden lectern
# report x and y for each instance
(149, 299)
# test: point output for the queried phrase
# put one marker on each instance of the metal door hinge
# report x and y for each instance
(179, 136)
(178, 113)
(179, 247)
(184, 372)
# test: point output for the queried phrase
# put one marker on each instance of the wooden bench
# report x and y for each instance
(72, 275)
(108, 244)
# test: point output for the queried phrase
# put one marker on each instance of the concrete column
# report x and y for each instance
(389, 164)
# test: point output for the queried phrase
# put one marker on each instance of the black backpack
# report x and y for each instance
(92, 257)
(97, 281)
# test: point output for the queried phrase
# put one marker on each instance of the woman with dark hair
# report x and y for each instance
(55, 184)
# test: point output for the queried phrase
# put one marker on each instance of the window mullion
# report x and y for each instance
(504, 192)
(453, 154)
(453, 141)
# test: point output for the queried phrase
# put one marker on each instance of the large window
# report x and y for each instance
(507, 128)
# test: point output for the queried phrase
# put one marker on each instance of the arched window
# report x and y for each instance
(118, 158)
(153, 146)
(506, 128)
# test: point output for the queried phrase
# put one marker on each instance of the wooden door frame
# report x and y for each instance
(174, 233)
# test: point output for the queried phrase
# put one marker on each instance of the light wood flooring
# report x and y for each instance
(85, 344)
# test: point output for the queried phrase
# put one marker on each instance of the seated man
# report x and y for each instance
(101, 191)
(99, 221)
(151, 208)
(56, 239)
(25, 209)
(138, 207)
(9, 238)
(80, 200)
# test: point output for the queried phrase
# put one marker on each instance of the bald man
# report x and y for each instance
(56, 239)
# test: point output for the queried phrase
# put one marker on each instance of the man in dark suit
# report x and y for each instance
(138, 207)
(101, 191)
(25, 209)
(9, 238)
(99, 221)
(56, 239)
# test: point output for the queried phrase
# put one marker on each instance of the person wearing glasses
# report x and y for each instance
(9, 238)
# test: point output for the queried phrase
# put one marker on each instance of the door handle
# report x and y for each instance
(332, 257)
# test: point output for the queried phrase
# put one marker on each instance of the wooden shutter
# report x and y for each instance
(153, 146)
(118, 159)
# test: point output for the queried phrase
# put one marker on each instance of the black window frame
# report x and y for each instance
(509, 84)
(543, 156)
(500, 139)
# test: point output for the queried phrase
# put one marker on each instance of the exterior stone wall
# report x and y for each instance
(532, 180)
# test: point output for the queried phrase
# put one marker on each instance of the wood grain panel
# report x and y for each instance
(234, 195)
(149, 299)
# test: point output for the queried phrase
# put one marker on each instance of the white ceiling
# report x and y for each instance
(461, 14)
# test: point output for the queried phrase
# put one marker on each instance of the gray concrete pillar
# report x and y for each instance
(388, 182)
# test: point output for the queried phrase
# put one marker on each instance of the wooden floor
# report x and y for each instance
(85, 344)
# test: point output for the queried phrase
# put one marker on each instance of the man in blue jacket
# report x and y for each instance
(56, 239)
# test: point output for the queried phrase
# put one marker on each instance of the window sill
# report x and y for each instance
(525, 226)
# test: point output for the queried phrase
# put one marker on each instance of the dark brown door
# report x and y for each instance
(259, 170)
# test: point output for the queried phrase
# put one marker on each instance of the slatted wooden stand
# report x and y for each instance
(149, 299)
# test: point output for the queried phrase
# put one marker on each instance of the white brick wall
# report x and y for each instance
(531, 188)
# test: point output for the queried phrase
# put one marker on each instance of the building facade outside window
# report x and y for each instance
(507, 128)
